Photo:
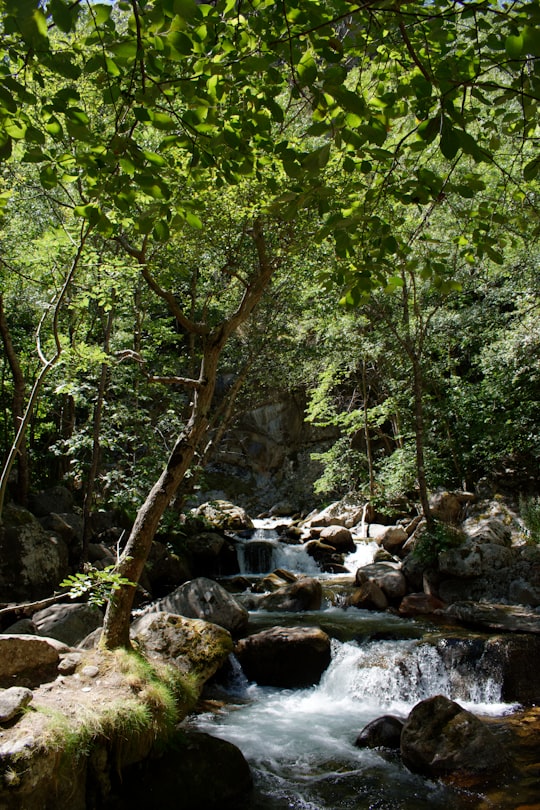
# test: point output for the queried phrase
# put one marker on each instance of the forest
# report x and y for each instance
(207, 206)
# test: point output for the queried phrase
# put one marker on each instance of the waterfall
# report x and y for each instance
(262, 552)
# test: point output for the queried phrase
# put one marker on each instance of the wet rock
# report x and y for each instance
(13, 701)
(439, 737)
(418, 604)
(191, 645)
(203, 598)
(285, 656)
(384, 732)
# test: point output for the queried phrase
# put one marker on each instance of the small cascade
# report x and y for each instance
(262, 552)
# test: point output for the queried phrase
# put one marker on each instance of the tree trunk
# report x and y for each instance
(418, 392)
(367, 432)
(23, 471)
(96, 439)
(131, 564)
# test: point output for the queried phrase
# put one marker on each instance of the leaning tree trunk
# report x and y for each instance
(130, 566)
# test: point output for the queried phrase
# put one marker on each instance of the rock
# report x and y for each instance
(474, 559)
(28, 660)
(191, 645)
(386, 575)
(368, 596)
(57, 499)
(347, 512)
(392, 539)
(449, 507)
(32, 561)
(204, 599)
(208, 773)
(522, 592)
(69, 663)
(22, 627)
(439, 737)
(508, 618)
(384, 732)
(339, 538)
(491, 529)
(165, 570)
(13, 701)
(223, 515)
(514, 658)
(285, 656)
(304, 594)
(419, 604)
(69, 623)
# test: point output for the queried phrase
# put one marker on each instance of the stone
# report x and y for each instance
(32, 561)
(339, 537)
(368, 596)
(393, 538)
(57, 499)
(222, 514)
(386, 575)
(449, 507)
(383, 732)
(28, 660)
(288, 657)
(508, 618)
(203, 598)
(13, 701)
(191, 645)
(474, 559)
(69, 623)
(69, 663)
(441, 738)
(304, 594)
(206, 772)
(419, 604)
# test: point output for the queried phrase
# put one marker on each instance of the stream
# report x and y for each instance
(300, 742)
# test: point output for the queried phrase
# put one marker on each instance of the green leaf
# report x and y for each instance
(48, 177)
(161, 231)
(306, 69)
(187, 9)
(531, 169)
(89, 212)
(514, 46)
(450, 141)
(64, 14)
(531, 41)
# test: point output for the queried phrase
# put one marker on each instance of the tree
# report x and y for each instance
(128, 110)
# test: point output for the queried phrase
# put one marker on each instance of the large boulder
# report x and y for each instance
(33, 561)
(388, 576)
(222, 514)
(393, 538)
(506, 618)
(339, 537)
(203, 598)
(285, 656)
(440, 738)
(368, 597)
(196, 648)
(206, 772)
(304, 594)
(68, 622)
(28, 660)
(473, 559)
(58, 499)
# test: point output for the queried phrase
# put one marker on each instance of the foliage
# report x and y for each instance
(530, 513)
(435, 539)
(98, 585)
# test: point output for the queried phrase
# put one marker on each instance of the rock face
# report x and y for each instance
(203, 598)
(285, 656)
(191, 645)
(204, 771)
(439, 737)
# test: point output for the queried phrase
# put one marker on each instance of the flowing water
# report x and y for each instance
(300, 742)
